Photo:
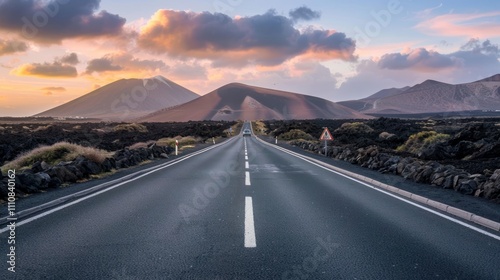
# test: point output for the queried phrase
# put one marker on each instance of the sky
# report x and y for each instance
(53, 51)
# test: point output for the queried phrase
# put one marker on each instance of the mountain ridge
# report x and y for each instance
(124, 99)
(433, 96)
(236, 101)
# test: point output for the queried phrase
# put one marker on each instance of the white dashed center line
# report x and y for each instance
(250, 241)
(247, 178)
(247, 166)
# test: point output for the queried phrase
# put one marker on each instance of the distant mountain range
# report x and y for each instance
(124, 100)
(161, 100)
(432, 96)
(243, 102)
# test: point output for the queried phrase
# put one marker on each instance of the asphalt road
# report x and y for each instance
(264, 215)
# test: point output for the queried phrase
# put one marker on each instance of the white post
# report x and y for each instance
(326, 148)
(213, 139)
(276, 140)
(176, 147)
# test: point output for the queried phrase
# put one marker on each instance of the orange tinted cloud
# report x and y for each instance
(267, 39)
(12, 46)
(483, 25)
(46, 70)
(60, 89)
(121, 61)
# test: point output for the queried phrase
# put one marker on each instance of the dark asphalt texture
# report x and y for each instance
(187, 221)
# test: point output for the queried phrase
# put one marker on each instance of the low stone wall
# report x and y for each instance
(422, 171)
(43, 176)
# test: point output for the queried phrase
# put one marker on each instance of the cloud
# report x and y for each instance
(267, 39)
(482, 25)
(188, 71)
(472, 55)
(48, 91)
(419, 59)
(129, 62)
(475, 60)
(63, 67)
(58, 89)
(71, 59)
(55, 20)
(304, 13)
(479, 57)
(123, 61)
(46, 70)
(101, 65)
(427, 12)
(486, 47)
(12, 46)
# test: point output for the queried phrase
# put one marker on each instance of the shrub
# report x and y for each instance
(62, 151)
(183, 141)
(259, 127)
(140, 145)
(295, 134)
(131, 127)
(353, 128)
(417, 142)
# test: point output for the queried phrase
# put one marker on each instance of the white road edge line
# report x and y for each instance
(304, 158)
(250, 241)
(247, 178)
(45, 213)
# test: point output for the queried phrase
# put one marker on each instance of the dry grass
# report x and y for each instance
(259, 127)
(185, 147)
(140, 145)
(296, 134)
(353, 128)
(131, 127)
(237, 128)
(62, 151)
(422, 140)
(183, 141)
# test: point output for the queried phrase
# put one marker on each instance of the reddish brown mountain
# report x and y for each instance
(125, 99)
(242, 102)
(433, 96)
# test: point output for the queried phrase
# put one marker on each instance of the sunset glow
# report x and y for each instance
(321, 49)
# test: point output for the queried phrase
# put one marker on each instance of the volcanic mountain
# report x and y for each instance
(367, 102)
(243, 102)
(124, 100)
(433, 96)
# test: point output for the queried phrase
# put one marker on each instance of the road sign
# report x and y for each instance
(326, 135)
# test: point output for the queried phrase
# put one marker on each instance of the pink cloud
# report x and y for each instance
(481, 25)
(268, 39)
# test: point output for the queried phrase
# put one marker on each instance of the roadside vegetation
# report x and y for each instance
(131, 127)
(183, 141)
(296, 134)
(353, 128)
(420, 141)
(62, 151)
(259, 128)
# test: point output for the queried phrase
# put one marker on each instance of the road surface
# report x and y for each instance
(245, 210)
